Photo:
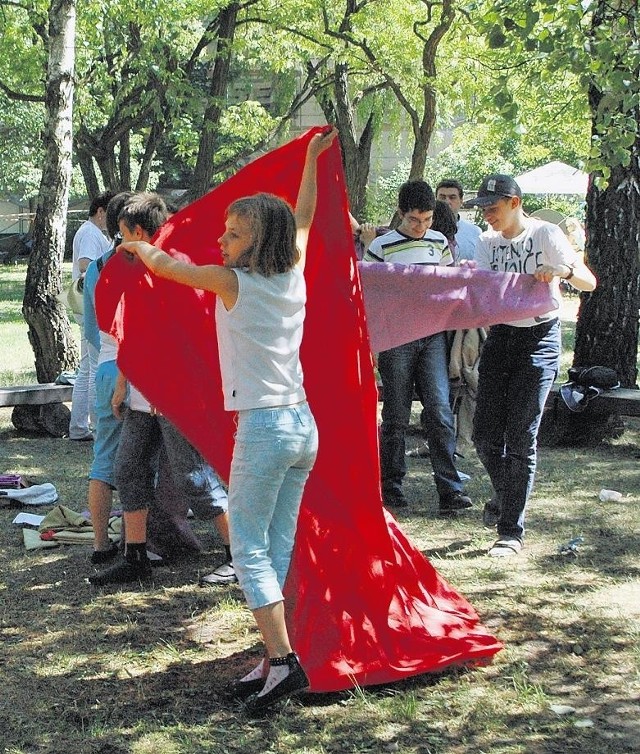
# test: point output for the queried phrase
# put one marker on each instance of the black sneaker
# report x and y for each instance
(123, 572)
(457, 501)
(394, 499)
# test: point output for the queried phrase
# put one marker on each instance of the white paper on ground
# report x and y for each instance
(28, 519)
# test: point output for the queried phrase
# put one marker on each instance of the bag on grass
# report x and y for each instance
(11, 481)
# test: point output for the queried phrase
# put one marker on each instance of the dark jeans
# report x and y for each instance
(422, 363)
(142, 438)
(517, 368)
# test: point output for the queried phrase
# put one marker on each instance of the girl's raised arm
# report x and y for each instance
(208, 277)
(308, 193)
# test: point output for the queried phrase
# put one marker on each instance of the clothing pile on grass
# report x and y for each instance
(61, 525)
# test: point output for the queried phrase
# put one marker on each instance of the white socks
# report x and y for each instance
(255, 674)
(277, 673)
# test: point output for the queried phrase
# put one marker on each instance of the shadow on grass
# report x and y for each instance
(115, 672)
(189, 701)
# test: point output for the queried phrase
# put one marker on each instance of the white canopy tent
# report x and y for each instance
(554, 178)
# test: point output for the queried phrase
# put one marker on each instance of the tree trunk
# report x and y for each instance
(607, 328)
(87, 168)
(107, 162)
(204, 170)
(156, 132)
(124, 164)
(356, 151)
(424, 126)
(49, 330)
(423, 132)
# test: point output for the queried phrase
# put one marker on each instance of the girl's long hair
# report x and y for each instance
(274, 234)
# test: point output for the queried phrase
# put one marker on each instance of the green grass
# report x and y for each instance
(145, 671)
(16, 355)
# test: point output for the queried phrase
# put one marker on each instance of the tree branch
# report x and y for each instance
(21, 96)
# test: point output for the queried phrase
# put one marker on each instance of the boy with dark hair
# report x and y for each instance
(421, 365)
(451, 192)
(144, 433)
(145, 210)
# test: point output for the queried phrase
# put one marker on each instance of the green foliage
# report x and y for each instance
(590, 47)
(382, 199)
(23, 58)
(517, 71)
(20, 147)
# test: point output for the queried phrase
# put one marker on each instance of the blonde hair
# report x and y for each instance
(273, 226)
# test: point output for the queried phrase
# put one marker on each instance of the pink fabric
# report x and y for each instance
(407, 302)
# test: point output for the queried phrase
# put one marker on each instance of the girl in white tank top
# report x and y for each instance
(259, 318)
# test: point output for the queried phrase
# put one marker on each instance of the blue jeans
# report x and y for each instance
(517, 368)
(422, 364)
(274, 452)
(107, 427)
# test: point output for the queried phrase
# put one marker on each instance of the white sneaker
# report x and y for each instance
(505, 547)
(224, 574)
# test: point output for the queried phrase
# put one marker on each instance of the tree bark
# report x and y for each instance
(607, 327)
(424, 124)
(356, 151)
(49, 329)
(204, 169)
(156, 132)
(423, 131)
(87, 168)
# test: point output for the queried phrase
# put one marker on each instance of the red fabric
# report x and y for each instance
(363, 604)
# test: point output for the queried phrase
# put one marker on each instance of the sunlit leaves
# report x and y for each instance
(555, 36)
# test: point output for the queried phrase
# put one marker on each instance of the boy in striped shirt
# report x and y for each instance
(421, 365)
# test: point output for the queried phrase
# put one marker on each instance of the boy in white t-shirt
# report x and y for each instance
(89, 243)
(520, 359)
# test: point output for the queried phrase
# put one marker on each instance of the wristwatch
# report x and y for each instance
(570, 275)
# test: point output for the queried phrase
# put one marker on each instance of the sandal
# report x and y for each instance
(505, 547)
(294, 683)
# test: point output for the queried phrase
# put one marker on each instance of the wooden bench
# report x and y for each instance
(35, 395)
(622, 401)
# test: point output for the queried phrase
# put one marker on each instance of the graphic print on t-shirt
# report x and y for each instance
(515, 255)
